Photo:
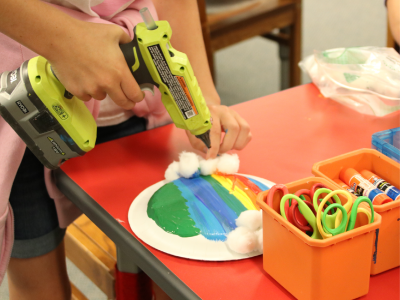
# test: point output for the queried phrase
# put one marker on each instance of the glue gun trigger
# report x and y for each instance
(147, 87)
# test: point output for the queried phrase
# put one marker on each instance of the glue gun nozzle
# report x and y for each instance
(205, 137)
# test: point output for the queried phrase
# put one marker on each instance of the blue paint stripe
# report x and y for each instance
(262, 186)
(208, 224)
(207, 195)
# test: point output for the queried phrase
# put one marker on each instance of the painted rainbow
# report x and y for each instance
(206, 205)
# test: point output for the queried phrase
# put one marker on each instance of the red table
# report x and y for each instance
(291, 130)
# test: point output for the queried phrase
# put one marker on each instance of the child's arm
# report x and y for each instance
(85, 56)
(183, 17)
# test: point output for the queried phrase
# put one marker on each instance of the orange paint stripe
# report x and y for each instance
(236, 179)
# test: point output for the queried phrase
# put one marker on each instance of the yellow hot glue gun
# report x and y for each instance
(154, 62)
(57, 126)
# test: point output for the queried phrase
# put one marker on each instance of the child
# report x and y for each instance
(81, 40)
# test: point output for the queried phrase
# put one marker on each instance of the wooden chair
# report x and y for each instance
(277, 20)
(93, 253)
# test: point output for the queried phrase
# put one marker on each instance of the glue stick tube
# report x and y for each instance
(363, 186)
(381, 184)
(346, 187)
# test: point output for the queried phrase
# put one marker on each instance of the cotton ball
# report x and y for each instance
(228, 164)
(200, 158)
(188, 164)
(172, 171)
(208, 166)
(251, 219)
(242, 240)
(259, 235)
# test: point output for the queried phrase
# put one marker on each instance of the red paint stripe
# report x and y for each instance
(249, 183)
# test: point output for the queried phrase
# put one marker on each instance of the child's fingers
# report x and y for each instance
(131, 88)
(244, 135)
(83, 96)
(215, 138)
(232, 129)
(118, 96)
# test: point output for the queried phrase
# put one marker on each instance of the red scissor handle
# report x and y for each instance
(298, 218)
(277, 187)
(316, 187)
(289, 213)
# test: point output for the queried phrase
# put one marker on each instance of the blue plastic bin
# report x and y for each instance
(388, 143)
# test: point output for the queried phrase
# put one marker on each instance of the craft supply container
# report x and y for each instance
(388, 143)
(334, 268)
(387, 243)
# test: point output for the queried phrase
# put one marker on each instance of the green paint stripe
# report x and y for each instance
(167, 207)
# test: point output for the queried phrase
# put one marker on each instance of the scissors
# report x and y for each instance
(330, 219)
(345, 216)
(293, 217)
(292, 211)
(277, 187)
(305, 210)
(294, 214)
(314, 188)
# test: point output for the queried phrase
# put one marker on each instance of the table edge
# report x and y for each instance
(146, 260)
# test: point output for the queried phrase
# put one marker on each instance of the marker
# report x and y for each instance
(345, 186)
(363, 187)
(381, 184)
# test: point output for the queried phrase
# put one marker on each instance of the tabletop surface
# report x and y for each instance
(291, 130)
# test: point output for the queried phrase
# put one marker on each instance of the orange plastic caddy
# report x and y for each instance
(334, 268)
(387, 253)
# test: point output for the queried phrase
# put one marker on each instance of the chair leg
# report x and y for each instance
(206, 35)
(284, 55)
(295, 46)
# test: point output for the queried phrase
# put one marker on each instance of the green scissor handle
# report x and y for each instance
(330, 219)
(342, 226)
(301, 197)
(353, 215)
(305, 210)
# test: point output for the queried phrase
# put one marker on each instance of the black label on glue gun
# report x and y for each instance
(176, 84)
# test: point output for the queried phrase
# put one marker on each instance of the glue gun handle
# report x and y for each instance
(136, 64)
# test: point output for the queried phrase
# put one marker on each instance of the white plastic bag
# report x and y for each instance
(366, 79)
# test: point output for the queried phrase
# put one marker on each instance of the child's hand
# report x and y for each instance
(237, 132)
(90, 64)
(85, 56)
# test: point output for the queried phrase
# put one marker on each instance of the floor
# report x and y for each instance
(251, 69)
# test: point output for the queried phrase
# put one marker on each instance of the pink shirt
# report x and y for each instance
(120, 12)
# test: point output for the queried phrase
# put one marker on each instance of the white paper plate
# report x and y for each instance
(197, 247)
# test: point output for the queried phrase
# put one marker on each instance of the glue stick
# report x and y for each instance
(363, 186)
(381, 184)
(346, 187)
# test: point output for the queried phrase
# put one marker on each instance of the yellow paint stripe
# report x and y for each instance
(237, 192)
